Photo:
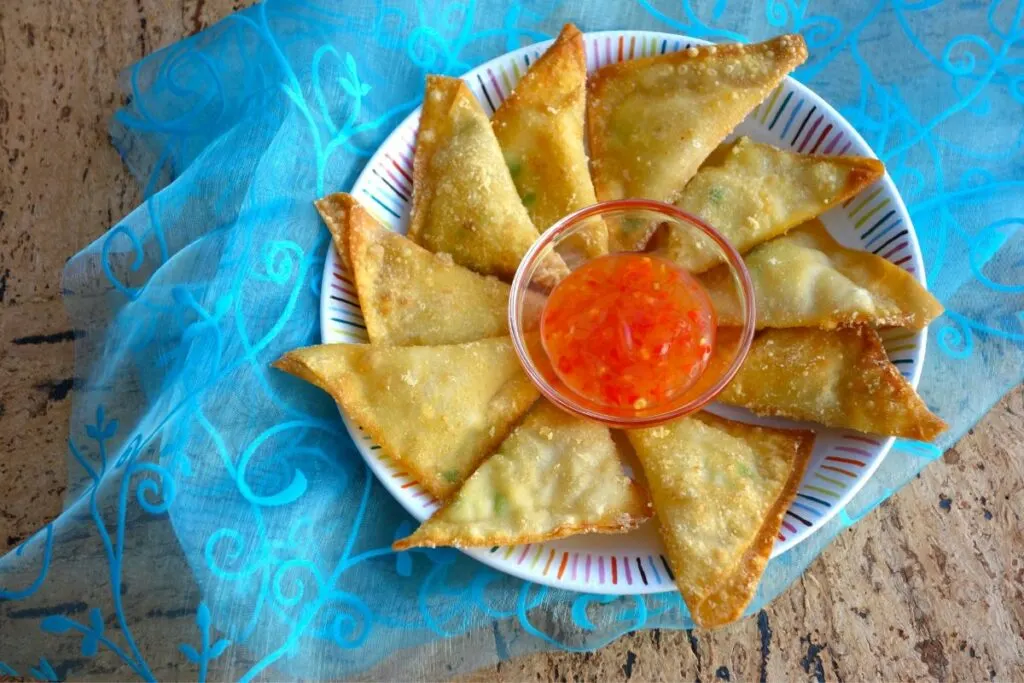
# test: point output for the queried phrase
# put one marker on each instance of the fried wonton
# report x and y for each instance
(408, 295)
(464, 201)
(720, 489)
(556, 475)
(435, 410)
(336, 212)
(540, 129)
(756, 192)
(651, 122)
(839, 378)
(807, 279)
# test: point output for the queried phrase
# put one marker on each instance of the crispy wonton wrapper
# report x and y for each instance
(555, 476)
(651, 122)
(435, 410)
(408, 295)
(752, 192)
(720, 489)
(337, 211)
(464, 202)
(540, 129)
(807, 279)
(839, 378)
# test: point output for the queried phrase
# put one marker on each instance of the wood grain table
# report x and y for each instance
(929, 586)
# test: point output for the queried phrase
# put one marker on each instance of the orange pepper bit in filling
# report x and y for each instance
(628, 331)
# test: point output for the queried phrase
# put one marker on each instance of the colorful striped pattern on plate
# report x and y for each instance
(791, 117)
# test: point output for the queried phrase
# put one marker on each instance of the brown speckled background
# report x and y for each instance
(929, 586)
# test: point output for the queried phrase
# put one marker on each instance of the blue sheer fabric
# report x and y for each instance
(219, 520)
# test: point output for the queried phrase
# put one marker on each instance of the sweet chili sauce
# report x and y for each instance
(629, 331)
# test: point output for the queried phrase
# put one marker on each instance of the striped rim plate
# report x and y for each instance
(791, 117)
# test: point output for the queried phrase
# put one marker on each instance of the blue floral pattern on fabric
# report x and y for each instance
(219, 516)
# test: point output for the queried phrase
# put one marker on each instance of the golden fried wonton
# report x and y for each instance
(752, 192)
(336, 211)
(408, 295)
(540, 129)
(807, 279)
(651, 122)
(556, 475)
(435, 410)
(720, 489)
(839, 378)
(464, 201)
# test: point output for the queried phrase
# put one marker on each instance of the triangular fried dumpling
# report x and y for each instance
(807, 279)
(435, 410)
(335, 211)
(464, 202)
(408, 295)
(556, 475)
(651, 122)
(838, 378)
(540, 129)
(720, 489)
(755, 192)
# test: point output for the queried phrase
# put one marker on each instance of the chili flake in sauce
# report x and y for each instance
(628, 330)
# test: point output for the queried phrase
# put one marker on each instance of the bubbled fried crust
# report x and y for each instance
(555, 79)
(728, 603)
(752, 192)
(807, 279)
(334, 209)
(620, 523)
(437, 411)
(789, 49)
(464, 201)
(556, 475)
(839, 378)
(720, 489)
(744, 73)
(410, 296)
(540, 129)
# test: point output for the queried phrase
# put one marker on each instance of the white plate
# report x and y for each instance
(791, 117)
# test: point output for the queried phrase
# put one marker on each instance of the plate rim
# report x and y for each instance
(379, 465)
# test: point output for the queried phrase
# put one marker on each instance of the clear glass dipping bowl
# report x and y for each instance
(532, 283)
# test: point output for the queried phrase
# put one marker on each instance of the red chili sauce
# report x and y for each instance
(628, 330)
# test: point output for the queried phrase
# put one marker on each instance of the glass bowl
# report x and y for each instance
(567, 240)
